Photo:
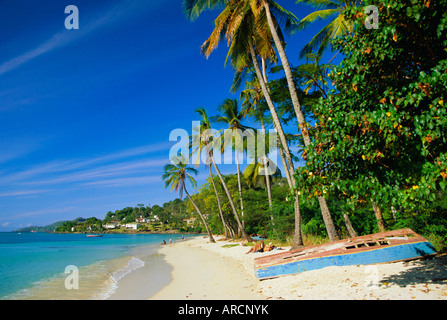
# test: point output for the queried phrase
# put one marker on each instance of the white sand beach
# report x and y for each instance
(210, 271)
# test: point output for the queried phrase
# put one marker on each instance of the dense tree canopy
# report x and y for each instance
(381, 134)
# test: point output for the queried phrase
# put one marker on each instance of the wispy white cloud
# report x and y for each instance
(101, 172)
(22, 193)
(123, 9)
(132, 181)
(57, 40)
(123, 168)
(44, 212)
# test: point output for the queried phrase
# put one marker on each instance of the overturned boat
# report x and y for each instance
(392, 246)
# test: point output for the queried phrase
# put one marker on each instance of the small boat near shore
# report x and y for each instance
(94, 235)
(385, 247)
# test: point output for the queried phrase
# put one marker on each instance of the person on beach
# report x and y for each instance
(170, 241)
(258, 247)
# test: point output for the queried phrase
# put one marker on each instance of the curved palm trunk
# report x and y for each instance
(379, 217)
(240, 188)
(288, 72)
(219, 205)
(298, 239)
(224, 185)
(330, 227)
(201, 216)
(267, 176)
(265, 163)
(298, 235)
(351, 230)
(264, 158)
(268, 99)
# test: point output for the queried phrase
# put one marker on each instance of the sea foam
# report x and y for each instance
(114, 278)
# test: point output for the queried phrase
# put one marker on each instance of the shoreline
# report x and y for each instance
(200, 274)
(210, 271)
(111, 267)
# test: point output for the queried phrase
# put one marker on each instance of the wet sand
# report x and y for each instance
(199, 274)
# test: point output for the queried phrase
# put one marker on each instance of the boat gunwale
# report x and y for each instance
(287, 257)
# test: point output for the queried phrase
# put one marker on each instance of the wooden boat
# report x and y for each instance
(392, 246)
(94, 235)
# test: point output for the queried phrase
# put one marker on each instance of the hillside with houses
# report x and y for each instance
(171, 217)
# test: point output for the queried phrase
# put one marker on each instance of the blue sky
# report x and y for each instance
(85, 115)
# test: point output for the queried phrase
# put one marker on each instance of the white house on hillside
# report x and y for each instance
(132, 226)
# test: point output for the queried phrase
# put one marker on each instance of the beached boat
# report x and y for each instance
(392, 246)
(94, 235)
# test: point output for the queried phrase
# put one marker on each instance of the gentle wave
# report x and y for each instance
(112, 283)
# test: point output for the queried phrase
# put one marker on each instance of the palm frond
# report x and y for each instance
(315, 16)
(217, 35)
(193, 8)
(284, 18)
(319, 4)
(317, 44)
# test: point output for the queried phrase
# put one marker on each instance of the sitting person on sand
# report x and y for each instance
(258, 247)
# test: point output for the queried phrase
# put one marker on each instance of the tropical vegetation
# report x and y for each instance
(362, 143)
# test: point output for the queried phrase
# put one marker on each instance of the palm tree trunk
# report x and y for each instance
(284, 163)
(264, 158)
(240, 188)
(224, 185)
(218, 204)
(349, 226)
(288, 72)
(327, 218)
(201, 216)
(265, 162)
(298, 239)
(330, 227)
(379, 217)
(298, 235)
(266, 171)
(268, 99)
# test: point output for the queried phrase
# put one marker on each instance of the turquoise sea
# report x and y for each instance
(33, 265)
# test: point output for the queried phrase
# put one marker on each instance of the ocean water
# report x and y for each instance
(33, 266)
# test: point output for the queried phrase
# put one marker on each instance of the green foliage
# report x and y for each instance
(382, 133)
(81, 225)
(379, 136)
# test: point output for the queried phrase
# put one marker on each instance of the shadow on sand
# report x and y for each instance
(430, 270)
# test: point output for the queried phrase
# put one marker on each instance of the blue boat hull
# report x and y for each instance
(406, 251)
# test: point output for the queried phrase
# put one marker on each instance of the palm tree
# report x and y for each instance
(219, 205)
(232, 116)
(252, 96)
(238, 22)
(205, 141)
(176, 177)
(205, 125)
(313, 75)
(330, 227)
(241, 25)
(339, 24)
